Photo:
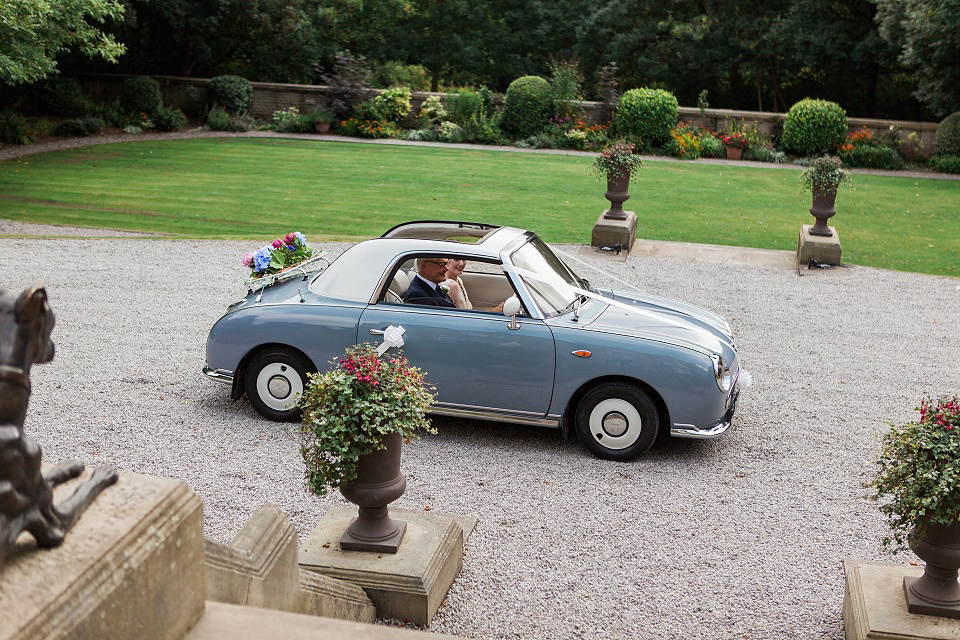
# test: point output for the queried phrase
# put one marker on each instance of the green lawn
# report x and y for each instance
(259, 188)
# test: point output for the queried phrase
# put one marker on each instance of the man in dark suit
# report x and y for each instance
(425, 286)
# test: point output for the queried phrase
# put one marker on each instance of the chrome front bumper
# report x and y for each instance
(220, 375)
(717, 429)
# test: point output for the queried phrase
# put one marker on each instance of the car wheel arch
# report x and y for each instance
(570, 412)
(239, 378)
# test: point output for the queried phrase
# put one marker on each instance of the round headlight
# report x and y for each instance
(722, 373)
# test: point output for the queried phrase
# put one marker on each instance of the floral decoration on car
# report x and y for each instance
(283, 253)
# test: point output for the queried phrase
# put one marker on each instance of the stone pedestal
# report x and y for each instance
(260, 569)
(409, 585)
(609, 233)
(132, 567)
(874, 605)
(823, 249)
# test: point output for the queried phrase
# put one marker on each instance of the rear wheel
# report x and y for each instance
(617, 421)
(274, 382)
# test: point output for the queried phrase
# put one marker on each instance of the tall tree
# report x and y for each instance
(34, 32)
(927, 33)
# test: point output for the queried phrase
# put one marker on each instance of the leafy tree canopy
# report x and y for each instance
(34, 32)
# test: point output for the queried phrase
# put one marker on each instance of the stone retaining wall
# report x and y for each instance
(917, 137)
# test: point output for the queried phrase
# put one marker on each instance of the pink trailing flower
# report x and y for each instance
(247, 259)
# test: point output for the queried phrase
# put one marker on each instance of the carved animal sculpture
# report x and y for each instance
(26, 494)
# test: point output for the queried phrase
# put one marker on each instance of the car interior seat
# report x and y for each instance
(398, 287)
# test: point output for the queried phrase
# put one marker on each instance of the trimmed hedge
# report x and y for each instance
(946, 141)
(945, 163)
(78, 127)
(646, 115)
(527, 107)
(232, 93)
(141, 95)
(814, 127)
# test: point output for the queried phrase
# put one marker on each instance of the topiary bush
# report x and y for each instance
(233, 94)
(945, 163)
(141, 95)
(13, 128)
(78, 127)
(527, 107)
(946, 141)
(168, 119)
(647, 116)
(813, 127)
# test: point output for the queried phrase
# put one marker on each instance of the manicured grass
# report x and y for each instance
(259, 188)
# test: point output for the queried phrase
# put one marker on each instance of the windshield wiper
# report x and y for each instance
(575, 304)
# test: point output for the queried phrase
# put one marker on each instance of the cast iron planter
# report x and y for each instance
(617, 185)
(822, 210)
(937, 591)
(379, 482)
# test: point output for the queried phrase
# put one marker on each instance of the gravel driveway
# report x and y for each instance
(742, 537)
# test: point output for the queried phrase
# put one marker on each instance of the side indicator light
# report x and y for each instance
(582, 353)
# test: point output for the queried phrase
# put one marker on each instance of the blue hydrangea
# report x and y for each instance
(301, 238)
(261, 259)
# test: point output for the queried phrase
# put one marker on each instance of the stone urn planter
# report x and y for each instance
(379, 482)
(822, 210)
(617, 193)
(355, 419)
(823, 179)
(937, 591)
(916, 483)
(322, 127)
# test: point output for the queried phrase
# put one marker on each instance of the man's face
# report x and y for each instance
(434, 270)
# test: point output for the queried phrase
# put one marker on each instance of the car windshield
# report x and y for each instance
(551, 282)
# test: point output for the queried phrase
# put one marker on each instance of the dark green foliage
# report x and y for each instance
(141, 95)
(13, 128)
(482, 129)
(78, 127)
(712, 147)
(945, 163)
(197, 100)
(219, 120)
(877, 156)
(368, 110)
(813, 127)
(112, 114)
(464, 105)
(647, 115)
(61, 97)
(232, 93)
(946, 141)
(527, 107)
(168, 119)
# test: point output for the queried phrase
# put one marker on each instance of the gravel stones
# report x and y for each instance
(742, 537)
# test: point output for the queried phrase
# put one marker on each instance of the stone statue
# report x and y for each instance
(26, 494)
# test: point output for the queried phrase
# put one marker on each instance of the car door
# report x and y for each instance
(474, 359)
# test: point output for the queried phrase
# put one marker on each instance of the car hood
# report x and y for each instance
(665, 320)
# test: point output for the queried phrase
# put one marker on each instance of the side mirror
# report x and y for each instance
(511, 307)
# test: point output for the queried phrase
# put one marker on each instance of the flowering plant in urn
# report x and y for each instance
(617, 159)
(918, 471)
(348, 411)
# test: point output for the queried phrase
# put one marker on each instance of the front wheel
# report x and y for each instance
(275, 380)
(617, 421)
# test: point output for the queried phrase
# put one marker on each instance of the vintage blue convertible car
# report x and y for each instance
(618, 368)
